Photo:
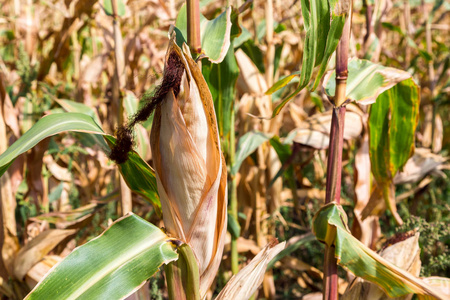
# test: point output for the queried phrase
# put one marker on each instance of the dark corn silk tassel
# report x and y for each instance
(124, 133)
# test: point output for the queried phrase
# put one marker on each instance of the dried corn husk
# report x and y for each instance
(244, 284)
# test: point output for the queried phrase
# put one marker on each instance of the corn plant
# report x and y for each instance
(231, 143)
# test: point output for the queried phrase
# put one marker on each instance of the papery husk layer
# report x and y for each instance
(190, 169)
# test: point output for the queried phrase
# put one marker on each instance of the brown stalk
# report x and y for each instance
(118, 84)
(407, 16)
(431, 78)
(369, 25)
(193, 26)
(270, 45)
(334, 166)
(268, 282)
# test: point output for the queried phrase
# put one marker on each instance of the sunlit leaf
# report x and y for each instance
(215, 34)
(404, 254)
(110, 266)
(440, 283)
(324, 22)
(139, 176)
(45, 127)
(330, 227)
(366, 80)
(37, 248)
(247, 144)
(221, 79)
(392, 123)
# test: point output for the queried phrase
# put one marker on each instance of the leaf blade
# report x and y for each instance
(86, 272)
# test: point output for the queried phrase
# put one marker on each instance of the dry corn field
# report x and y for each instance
(232, 150)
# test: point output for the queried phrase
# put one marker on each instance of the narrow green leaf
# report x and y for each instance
(247, 144)
(323, 21)
(86, 139)
(284, 152)
(139, 176)
(110, 266)
(233, 226)
(72, 106)
(330, 227)
(379, 140)
(221, 79)
(334, 35)
(404, 102)
(282, 83)
(45, 127)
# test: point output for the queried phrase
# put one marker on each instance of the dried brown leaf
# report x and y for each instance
(37, 248)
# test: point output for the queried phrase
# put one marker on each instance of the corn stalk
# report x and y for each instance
(119, 83)
(334, 166)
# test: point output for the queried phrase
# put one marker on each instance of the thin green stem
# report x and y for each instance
(233, 208)
(182, 276)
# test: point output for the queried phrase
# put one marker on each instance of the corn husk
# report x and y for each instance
(244, 284)
(190, 169)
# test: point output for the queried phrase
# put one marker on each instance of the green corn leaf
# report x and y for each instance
(139, 176)
(72, 106)
(247, 144)
(233, 226)
(323, 22)
(330, 227)
(45, 127)
(215, 34)
(110, 266)
(366, 80)
(221, 79)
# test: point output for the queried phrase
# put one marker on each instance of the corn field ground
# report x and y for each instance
(206, 149)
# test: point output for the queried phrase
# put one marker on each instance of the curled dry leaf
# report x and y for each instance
(244, 284)
(430, 138)
(189, 166)
(60, 173)
(37, 248)
(243, 245)
(420, 164)
(250, 80)
(440, 283)
(9, 243)
(38, 271)
(315, 130)
(368, 230)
